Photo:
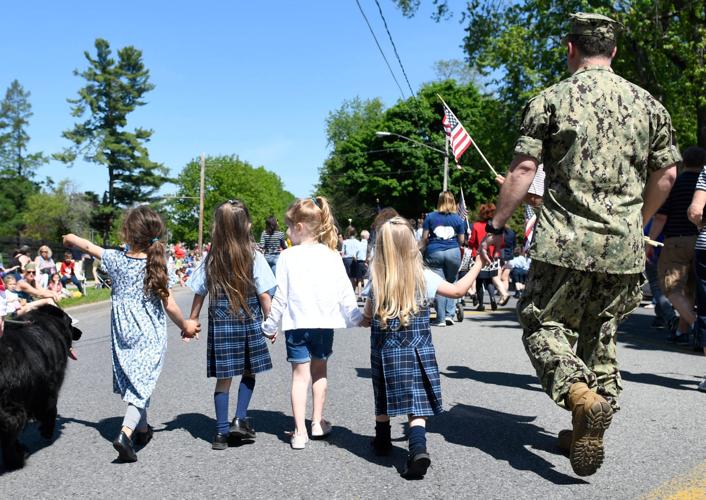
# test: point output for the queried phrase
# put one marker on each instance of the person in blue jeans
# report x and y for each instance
(442, 236)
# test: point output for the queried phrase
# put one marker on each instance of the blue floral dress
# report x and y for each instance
(138, 328)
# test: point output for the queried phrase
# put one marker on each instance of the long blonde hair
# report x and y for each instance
(229, 264)
(397, 273)
(315, 213)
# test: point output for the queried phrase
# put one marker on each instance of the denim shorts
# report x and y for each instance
(307, 343)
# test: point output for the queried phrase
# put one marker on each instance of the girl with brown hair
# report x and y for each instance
(313, 297)
(141, 302)
(238, 279)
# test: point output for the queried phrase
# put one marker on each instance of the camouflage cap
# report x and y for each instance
(590, 24)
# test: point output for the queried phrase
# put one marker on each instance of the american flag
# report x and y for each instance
(462, 210)
(460, 140)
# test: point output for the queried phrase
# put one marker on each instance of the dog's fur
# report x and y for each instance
(33, 357)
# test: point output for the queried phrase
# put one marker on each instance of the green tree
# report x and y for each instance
(517, 45)
(114, 89)
(17, 165)
(364, 170)
(226, 177)
(51, 214)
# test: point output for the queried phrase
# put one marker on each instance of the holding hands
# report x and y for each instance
(191, 329)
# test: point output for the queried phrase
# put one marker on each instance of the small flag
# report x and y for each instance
(460, 140)
(462, 210)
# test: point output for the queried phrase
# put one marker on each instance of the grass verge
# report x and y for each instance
(94, 295)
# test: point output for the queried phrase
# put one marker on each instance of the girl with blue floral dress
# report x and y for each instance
(403, 361)
(237, 279)
(141, 302)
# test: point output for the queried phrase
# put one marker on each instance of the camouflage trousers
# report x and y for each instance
(562, 309)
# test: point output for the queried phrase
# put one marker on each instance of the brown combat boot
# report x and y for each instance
(591, 416)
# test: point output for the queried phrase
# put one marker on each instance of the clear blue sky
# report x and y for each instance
(251, 78)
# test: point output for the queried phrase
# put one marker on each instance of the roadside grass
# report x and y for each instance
(94, 295)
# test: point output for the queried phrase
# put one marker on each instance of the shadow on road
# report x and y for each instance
(107, 427)
(32, 441)
(503, 436)
(514, 380)
(360, 446)
(275, 423)
(364, 372)
(198, 425)
(668, 382)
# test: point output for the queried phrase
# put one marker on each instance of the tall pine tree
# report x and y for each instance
(17, 165)
(113, 90)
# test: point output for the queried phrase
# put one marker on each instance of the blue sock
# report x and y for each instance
(417, 439)
(247, 385)
(220, 400)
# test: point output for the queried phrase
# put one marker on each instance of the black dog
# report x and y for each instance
(33, 357)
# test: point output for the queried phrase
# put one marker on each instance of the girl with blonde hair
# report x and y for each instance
(403, 361)
(237, 278)
(313, 297)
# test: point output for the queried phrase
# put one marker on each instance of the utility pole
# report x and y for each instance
(201, 193)
(446, 166)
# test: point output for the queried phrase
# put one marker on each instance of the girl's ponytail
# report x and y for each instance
(328, 235)
(156, 278)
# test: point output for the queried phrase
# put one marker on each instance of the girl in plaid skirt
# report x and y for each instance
(238, 279)
(402, 357)
(313, 297)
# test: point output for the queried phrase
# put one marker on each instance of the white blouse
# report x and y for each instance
(313, 291)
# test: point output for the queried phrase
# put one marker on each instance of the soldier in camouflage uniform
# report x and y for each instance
(609, 155)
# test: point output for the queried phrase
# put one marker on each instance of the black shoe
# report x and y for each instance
(220, 441)
(123, 445)
(144, 437)
(474, 300)
(682, 339)
(240, 428)
(382, 446)
(480, 307)
(494, 306)
(417, 465)
(516, 295)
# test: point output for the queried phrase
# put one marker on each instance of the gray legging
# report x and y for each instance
(135, 418)
(445, 263)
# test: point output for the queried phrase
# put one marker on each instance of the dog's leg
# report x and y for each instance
(47, 421)
(13, 453)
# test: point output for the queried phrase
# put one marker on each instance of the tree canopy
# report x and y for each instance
(517, 45)
(114, 89)
(364, 171)
(226, 177)
(17, 164)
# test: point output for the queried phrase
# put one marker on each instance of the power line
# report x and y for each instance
(381, 51)
(394, 48)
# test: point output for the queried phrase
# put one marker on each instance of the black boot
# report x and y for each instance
(417, 465)
(240, 428)
(382, 442)
(220, 442)
(123, 445)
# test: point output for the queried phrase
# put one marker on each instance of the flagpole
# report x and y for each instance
(446, 166)
(472, 141)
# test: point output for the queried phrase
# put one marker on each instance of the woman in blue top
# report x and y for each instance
(442, 237)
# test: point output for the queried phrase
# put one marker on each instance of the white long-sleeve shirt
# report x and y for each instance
(313, 291)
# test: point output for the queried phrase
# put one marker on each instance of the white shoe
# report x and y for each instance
(450, 321)
(299, 441)
(320, 429)
(702, 385)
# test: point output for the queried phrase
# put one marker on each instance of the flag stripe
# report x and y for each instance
(459, 137)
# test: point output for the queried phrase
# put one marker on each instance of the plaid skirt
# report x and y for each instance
(404, 370)
(235, 343)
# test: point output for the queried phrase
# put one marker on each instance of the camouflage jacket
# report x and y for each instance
(599, 136)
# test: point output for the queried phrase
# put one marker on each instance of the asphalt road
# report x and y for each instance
(496, 438)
